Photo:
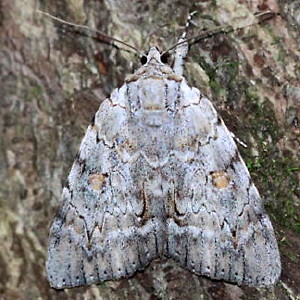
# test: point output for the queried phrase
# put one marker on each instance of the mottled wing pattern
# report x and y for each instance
(99, 232)
(219, 227)
(159, 173)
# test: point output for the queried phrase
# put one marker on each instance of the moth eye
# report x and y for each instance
(143, 59)
(165, 58)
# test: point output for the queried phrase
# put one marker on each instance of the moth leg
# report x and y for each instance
(238, 140)
(182, 49)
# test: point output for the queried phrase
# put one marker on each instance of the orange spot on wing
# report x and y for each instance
(220, 179)
(97, 181)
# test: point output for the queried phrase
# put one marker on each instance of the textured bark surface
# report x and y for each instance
(53, 80)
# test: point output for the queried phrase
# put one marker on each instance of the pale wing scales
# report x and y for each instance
(219, 227)
(99, 234)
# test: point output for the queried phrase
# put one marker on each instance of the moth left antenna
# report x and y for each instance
(102, 34)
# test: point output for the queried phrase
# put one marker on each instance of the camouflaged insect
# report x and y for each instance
(159, 174)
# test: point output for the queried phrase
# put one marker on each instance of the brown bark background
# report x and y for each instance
(53, 80)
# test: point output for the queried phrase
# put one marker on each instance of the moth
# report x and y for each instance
(159, 174)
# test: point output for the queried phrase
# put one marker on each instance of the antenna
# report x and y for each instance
(220, 29)
(100, 33)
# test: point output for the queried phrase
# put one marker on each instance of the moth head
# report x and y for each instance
(156, 55)
(153, 55)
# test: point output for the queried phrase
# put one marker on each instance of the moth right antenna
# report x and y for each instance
(220, 29)
(101, 34)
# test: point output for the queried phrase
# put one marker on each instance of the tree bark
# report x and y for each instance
(53, 79)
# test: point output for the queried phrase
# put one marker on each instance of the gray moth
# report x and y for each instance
(159, 174)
